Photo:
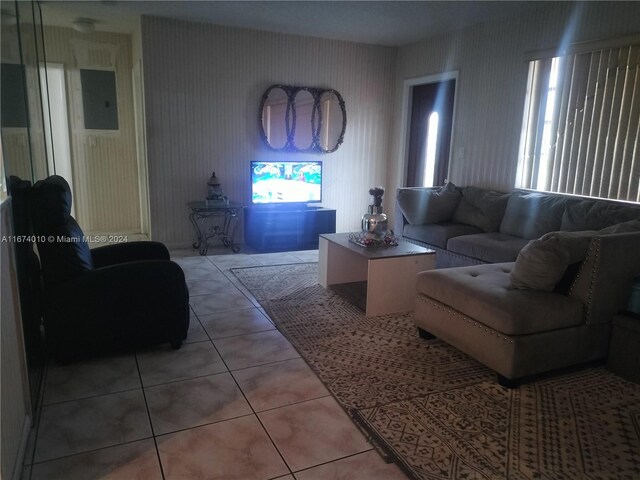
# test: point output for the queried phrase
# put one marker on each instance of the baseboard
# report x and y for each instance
(180, 246)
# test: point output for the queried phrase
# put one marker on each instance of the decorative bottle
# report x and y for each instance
(375, 222)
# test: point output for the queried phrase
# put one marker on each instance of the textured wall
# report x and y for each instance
(492, 81)
(104, 162)
(203, 85)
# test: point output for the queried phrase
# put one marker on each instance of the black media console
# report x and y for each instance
(280, 228)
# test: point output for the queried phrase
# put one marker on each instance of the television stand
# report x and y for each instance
(281, 228)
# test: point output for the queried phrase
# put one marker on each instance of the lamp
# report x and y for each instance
(84, 25)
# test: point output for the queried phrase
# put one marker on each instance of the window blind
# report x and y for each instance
(581, 126)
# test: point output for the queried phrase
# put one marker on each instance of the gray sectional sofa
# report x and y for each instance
(537, 278)
(471, 225)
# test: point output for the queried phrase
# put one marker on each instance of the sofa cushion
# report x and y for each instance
(481, 208)
(437, 234)
(493, 247)
(482, 292)
(596, 215)
(540, 264)
(421, 206)
(531, 215)
(624, 227)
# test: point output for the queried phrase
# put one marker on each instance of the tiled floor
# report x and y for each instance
(235, 402)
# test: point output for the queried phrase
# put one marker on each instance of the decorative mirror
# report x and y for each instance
(304, 107)
(276, 117)
(333, 121)
(302, 119)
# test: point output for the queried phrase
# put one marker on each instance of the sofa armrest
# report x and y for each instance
(604, 280)
(128, 252)
(399, 220)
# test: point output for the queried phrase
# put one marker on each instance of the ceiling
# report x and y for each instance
(391, 23)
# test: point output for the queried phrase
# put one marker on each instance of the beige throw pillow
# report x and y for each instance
(575, 243)
(481, 208)
(531, 215)
(540, 264)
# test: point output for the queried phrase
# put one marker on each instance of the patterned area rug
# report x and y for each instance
(438, 413)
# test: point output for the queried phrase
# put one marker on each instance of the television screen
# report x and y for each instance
(286, 182)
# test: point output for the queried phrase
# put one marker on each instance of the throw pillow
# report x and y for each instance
(481, 208)
(531, 215)
(540, 265)
(556, 246)
(421, 206)
(575, 243)
(596, 215)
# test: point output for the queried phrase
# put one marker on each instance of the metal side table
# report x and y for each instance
(214, 220)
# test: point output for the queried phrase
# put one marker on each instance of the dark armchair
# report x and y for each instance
(109, 298)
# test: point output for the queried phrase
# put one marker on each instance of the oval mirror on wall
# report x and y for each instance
(302, 119)
(304, 112)
(276, 118)
(332, 122)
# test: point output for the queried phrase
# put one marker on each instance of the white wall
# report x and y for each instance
(203, 85)
(492, 81)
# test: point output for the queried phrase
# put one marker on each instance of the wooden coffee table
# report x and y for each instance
(383, 277)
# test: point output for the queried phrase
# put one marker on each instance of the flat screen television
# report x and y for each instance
(286, 182)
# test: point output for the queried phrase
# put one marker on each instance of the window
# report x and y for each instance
(581, 126)
(430, 150)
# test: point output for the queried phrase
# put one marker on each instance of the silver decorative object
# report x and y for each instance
(375, 222)
(214, 192)
(214, 189)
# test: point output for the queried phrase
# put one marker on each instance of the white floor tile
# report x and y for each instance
(163, 364)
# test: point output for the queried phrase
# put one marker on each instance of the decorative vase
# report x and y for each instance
(374, 222)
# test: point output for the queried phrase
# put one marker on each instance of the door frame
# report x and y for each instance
(57, 138)
(407, 97)
(137, 82)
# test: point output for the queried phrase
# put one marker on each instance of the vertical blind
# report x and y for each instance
(581, 126)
